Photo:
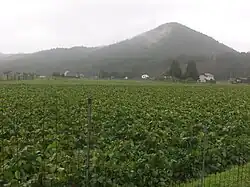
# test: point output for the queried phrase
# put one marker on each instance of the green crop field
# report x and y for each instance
(143, 134)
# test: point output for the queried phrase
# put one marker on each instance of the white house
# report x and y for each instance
(145, 76)
(42, 76)
(205, 77)
(81, 75)
(66, 73)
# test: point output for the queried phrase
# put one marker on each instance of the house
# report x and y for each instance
(66, 73)
(81, 75)
(145, 76)
(42, 76)
(239, 80)
(206, 77)
(70, 74)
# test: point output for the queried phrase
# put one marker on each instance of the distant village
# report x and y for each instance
(9, 75)
(203, 78)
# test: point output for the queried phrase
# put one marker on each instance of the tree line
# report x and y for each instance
(120, 75)
(190, 73)
(9, 75)
(174, 71)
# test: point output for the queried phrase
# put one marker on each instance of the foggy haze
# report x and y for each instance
(33, 25)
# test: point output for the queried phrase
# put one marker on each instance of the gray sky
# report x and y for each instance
(32, 25)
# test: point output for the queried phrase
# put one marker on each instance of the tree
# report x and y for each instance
(7, 75)
(56, 74)
(104, 75)
(192, 71)
(175, 70)
(25, 76)
(114, 75)
(17, 76)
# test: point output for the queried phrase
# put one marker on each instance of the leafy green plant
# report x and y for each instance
(142, 135)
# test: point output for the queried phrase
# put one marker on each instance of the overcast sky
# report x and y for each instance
(32, 25)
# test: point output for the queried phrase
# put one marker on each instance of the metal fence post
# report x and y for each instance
(203, 156)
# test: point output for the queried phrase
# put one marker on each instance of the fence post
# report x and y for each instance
(203, 156)
(88, 138)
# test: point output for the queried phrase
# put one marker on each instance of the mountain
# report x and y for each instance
(172, 39)
(6, 56)
(46, 61)
(149, 52)
(2, 55)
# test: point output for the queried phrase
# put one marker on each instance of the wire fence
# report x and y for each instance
(57, 151)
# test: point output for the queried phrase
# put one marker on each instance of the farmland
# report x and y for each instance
(141, 135)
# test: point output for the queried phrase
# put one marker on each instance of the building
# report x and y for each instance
(206, 77)
(42, 77)
(239, 80)
(81, 75)
(71, 74)
(145, 76)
